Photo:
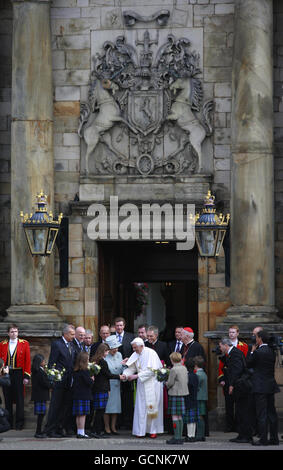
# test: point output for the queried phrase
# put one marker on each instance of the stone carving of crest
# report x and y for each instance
(144, 113)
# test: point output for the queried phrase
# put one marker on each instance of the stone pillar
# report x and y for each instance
(32, 167)
(252, 188)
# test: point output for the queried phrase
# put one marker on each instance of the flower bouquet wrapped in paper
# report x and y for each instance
(161, 374)
(54, 375)
(93, 368)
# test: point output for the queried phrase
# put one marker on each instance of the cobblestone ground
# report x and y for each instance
(217, 441)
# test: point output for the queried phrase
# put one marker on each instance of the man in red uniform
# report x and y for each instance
(231, 419)
(15, 353)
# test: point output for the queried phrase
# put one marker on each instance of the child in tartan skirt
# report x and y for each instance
(100, 389)
(191, 416)
(201, 397)
(82, 383)
(177, 386)
(39, 392)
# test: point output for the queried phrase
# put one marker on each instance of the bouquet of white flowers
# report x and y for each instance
(161, 374)
(93, 368)
(54, 375)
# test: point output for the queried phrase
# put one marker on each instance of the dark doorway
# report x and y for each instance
(134, 273)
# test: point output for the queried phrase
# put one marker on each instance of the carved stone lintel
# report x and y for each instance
(131, 17)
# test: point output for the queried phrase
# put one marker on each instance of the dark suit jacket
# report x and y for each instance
(76, 347)
(161, 349)
(235, 365)
(40, 386)
(126, 349)
(82, 385)
(94, 347)
(101, 381)
(262, 361)
(171, 346)
(63, 358)
(194, 349)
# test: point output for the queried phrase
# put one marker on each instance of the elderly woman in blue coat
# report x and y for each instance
(114, 360)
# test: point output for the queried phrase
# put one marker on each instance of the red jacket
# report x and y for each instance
(22, 355)
(243, 347)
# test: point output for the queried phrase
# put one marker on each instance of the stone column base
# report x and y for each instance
(34, 320)
(261, 314)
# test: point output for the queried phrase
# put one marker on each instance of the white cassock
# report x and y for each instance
(148, 414)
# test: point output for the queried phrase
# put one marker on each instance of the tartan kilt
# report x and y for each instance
(191, 415)
(39, 407)
(100, 400)
(176, 405)
(81, 407)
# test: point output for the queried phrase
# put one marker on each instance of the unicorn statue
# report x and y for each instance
(181, 112)
(98, 117)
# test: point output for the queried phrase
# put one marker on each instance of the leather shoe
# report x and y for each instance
(175, 441)
(242, 440)
(271, 442)
(259, 443)
(153, 436)
(95, 435)
(55, 435)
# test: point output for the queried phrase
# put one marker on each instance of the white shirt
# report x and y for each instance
(12, 345)
(121, 335)
(230, 349)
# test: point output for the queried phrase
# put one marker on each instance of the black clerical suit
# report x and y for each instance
(264, 386)
(192, 349)
(62, 355)
(161, 349)
(235, 365)
(125, 419)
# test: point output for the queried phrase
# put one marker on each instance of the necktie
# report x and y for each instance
(120, 338)
(178, 346)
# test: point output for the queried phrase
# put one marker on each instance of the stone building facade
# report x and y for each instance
(53, 55)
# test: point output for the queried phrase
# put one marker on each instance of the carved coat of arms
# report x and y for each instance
(145, 109)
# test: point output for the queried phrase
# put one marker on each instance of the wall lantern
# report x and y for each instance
(41, 229)
(210, 228)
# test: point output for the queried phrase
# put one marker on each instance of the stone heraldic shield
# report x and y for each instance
(145, 110)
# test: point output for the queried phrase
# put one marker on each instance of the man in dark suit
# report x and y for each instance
(159, 346)
(142, 333)
(88, 341)
(262, 361)
(78, 341)
(235, 365)
(191, 347)
(127, 388)
(123, 337)
(176, 345)
(62, 356)
(104, 332)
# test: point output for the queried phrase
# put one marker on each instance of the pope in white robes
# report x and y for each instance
(148, 413)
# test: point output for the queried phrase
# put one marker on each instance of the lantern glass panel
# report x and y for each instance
(206, 240)
(220, 239)
(51, 240)
(37, 238)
